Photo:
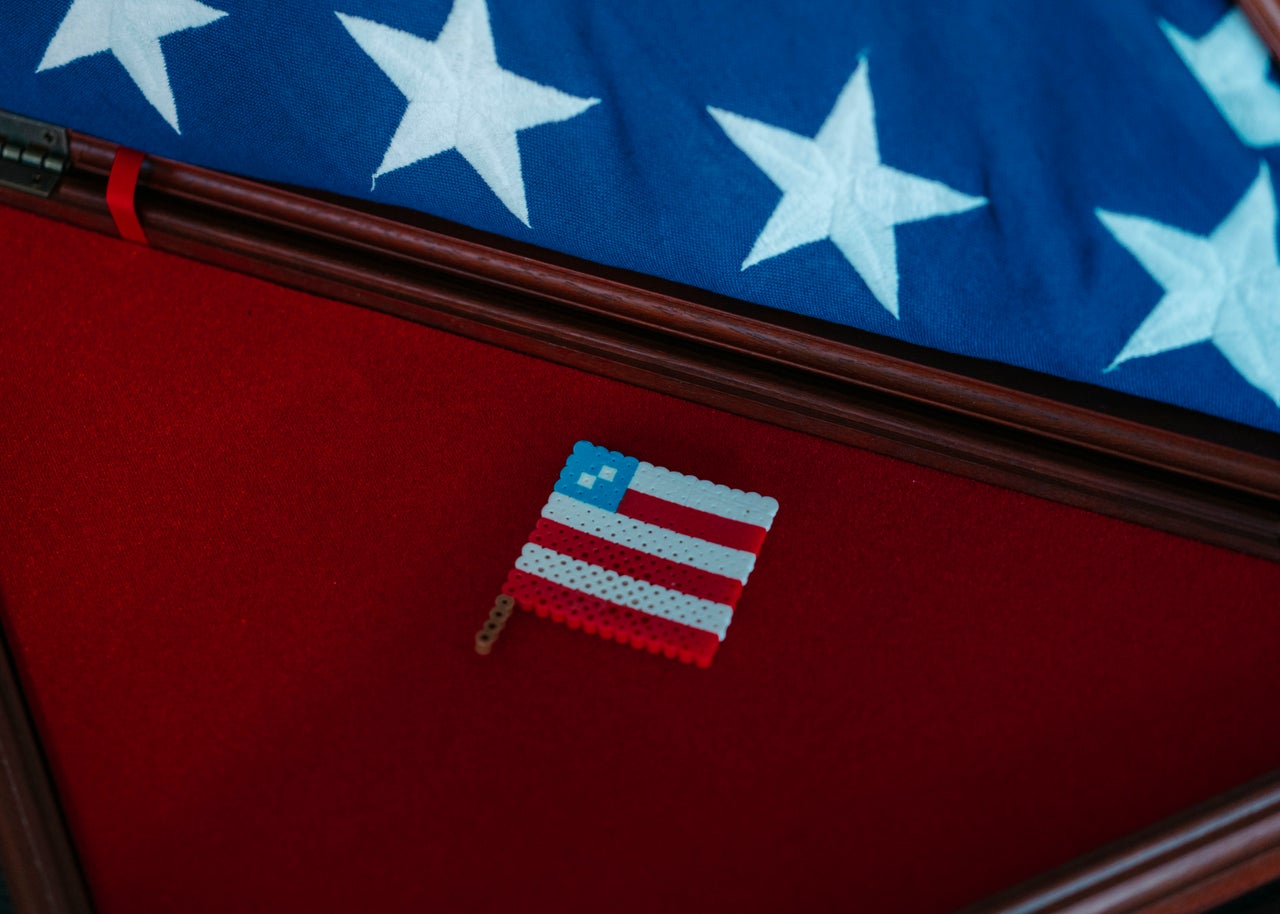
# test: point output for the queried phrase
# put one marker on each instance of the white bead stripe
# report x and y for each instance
(641, 596)
(655, 540)
(692, 492)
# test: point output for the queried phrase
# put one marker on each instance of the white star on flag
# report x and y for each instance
(1224, 288)
(459, 98)
(835, 186)
(1232, 64)
(131, 30)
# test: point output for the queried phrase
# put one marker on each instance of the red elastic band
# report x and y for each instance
(122, 184)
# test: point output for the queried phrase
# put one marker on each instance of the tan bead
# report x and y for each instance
(498, 616)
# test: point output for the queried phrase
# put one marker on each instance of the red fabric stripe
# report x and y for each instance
(609, 620)
(122, 185)
(636, 564)
(690, 521)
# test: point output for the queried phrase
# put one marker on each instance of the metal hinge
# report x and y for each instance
(33, 155)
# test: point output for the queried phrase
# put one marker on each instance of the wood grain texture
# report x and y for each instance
(1158, 465)
(1265, 900)
(1265, 16)
(1187, 865)
(36, 854)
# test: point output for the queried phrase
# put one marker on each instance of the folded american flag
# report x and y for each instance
(1084, 189)
(640, 554)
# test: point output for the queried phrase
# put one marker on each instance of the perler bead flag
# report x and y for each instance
(641, 554)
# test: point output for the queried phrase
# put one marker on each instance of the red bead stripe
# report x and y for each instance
(609, 620)
(690, 521)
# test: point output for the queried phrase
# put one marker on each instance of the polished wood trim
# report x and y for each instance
(1265, 16)
(1110, 423)
(1186, 865)
(1158, 465)
(1142, 461)
(1265, 900)
(1084, 446)
(36, 853)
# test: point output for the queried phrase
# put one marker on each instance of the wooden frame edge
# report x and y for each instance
(1222, 486)
(36, 852)
(1189, 864)
(1265, 16)
(784, 341)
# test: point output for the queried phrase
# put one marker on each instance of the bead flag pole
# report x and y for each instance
(493, 626)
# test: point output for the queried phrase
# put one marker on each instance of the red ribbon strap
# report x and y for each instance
(122, 184)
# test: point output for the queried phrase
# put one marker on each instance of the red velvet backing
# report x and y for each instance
(247, 536)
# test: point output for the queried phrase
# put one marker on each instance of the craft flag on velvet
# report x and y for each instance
(1081, 189)
(641, 554)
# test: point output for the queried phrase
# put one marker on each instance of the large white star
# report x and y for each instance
(834, 186)
(1224, 288)
(459, 98)
(131, 30)
(1232, 64)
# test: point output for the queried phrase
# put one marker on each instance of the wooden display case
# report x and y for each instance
(1155, 465)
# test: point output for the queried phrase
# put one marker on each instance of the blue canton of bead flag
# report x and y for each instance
(1082, 189)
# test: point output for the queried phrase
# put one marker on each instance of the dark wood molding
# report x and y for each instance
(1187, 865)
(36, 853)
(1158, 465)
(1265, 16)
(1085, 446)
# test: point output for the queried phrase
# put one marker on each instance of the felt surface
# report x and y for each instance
(247, 535)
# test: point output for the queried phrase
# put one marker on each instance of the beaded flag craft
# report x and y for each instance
(640, 554)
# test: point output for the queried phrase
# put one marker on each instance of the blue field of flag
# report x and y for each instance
(1084, 189)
